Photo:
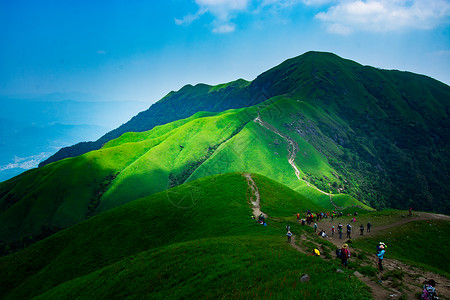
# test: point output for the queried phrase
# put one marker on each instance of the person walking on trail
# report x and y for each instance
(410, 211)
(340, 230)
(345, 255)
(315, 227)
(380, 255)
(289, 235)
(429, 292)
(362, 229)
(332, 230)
(349, 231)
(298, 216)
(368, 226)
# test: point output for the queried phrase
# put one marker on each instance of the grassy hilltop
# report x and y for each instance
(192, 241)
(384, 131)
(189, 241)
(370, 137)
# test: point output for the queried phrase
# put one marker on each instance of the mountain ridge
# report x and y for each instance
(371, 137)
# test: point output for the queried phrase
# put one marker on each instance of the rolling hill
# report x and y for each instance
(192, 241)
(316, 123)
(385, 131)
(189, 241)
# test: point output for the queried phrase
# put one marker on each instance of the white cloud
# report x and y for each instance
(226, 28)
(25, 163)
(101, 52)
(188, 19)
(385, 15)
(318, 2)
(222, 10)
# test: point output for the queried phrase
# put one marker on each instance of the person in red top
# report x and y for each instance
(345, 255)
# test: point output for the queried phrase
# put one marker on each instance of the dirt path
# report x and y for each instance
(255, 198)
(292, 150)
(325, 224)
(414, 277)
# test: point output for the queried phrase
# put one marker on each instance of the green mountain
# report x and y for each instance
(188, 242)
(193, 99)
(370, 137)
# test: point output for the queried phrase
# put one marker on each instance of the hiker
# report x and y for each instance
(349, 231)
(303, 222)
(316, 252)
(288, 228)
(345, 255)
(429, 292)
(362, 229)
(315, 227)
(298, 216)
(332, 230)
(410, 211)
(380, 255)
(289, 235)
(323, 234)
(368, 226)
(340, 230)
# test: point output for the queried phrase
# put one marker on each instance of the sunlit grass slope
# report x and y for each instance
(136, 165)
(212, 212)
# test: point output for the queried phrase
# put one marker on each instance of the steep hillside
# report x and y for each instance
(140, 248)
(136, 165)
(341, 135)
(386, 132)
(192, 99)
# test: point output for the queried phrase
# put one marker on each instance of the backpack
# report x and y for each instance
(429, 293)
(339, 253)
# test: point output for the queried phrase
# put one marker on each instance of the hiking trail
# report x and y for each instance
(292, 148)
(413, 278)
(256, 198)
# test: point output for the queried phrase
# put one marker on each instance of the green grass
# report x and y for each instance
(136, 165)
(238, 267)
(168, 239)
(419, 243)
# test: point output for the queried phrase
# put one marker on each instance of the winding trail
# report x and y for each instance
(292, 148)
(256, 199)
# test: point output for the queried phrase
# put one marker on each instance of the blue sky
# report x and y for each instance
(141, 50)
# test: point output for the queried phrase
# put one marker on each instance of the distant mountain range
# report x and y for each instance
(317, 123)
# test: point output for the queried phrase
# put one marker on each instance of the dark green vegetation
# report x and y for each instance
(369, 137)
(185, 243)
(385, 133)
(377, 136)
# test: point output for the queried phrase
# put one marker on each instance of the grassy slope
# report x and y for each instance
(141, 247)
(139, 164)
(415, 243)
(237, 267)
